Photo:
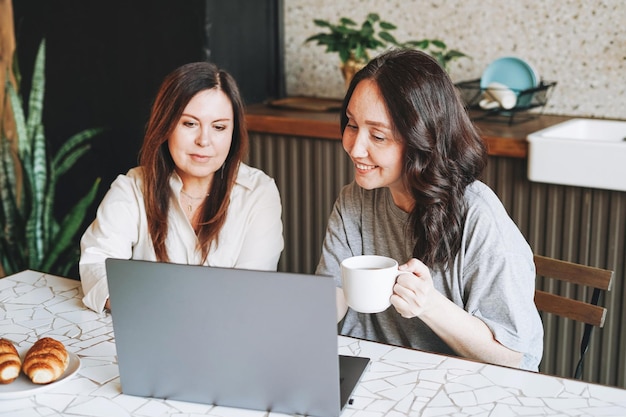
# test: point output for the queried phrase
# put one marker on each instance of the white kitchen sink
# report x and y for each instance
(580, 152)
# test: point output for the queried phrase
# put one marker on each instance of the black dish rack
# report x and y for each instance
(537, 97)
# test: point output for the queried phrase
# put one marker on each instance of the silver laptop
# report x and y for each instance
(231, 337)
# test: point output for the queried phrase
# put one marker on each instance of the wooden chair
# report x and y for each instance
(589, 313)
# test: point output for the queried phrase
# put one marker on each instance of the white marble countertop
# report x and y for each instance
(399, 381)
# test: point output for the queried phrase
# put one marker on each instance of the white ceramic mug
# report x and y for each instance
(498, 95)
(368, 282)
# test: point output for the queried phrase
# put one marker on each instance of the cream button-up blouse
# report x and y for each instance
(251, 238)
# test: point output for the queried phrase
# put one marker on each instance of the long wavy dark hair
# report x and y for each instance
(443, 151)
(177, 89)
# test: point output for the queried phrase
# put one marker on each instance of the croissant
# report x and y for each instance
(45, 361)
(10, 362)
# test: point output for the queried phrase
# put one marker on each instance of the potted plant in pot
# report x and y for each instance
(354, 43)
(351, 42)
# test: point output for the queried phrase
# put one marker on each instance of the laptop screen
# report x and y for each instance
(241, 338)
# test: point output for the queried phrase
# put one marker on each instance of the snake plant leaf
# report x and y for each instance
(49, 224)
(38, 182)
(10, 218)
(72, 150)
(70, 160)
(9, 257)
(20, 121)
(8, 191)
(69, 228)
(31, 209)
(35, 100)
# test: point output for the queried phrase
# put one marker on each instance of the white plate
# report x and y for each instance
(23, 387)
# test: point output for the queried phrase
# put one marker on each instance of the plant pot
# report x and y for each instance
(349, 68)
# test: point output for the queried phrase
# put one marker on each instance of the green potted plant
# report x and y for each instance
(31, 236)
(353, 43)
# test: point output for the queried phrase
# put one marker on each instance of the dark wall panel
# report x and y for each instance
(245, 38)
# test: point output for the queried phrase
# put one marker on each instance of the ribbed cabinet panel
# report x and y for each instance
(309, 174)
(571, 223)
(580, 225)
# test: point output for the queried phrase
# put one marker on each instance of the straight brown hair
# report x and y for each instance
(177, 89)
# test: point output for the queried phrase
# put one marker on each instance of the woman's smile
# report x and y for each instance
(363, 168)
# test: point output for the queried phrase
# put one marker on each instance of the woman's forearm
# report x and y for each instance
(467, 335)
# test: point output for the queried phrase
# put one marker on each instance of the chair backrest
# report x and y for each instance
(590, 312)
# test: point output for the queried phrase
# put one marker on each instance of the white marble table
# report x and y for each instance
(399, 382)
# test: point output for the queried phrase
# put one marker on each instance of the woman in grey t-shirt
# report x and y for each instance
(469, 283)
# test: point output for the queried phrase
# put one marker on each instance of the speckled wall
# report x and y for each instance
(580, 44)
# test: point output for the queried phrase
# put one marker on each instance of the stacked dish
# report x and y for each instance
(510, 73)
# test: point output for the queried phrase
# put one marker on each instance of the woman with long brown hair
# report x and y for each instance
(468, 282)
(191, 200)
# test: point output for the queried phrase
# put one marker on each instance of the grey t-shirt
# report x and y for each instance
(492, 277)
